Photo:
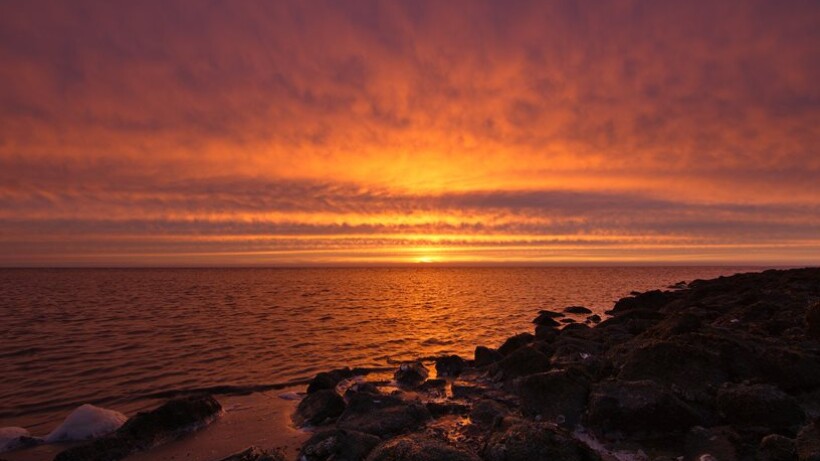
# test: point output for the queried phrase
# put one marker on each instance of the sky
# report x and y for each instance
(190, 133)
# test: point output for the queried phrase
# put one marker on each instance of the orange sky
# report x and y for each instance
(360, 132)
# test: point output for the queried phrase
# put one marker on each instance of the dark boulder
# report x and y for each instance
(256, 454)
(545, 319)
(382, 415)
(719, 443)
(813, 321)
(328, 380)
(524, 361)
(411, 374)
(636, 407)
(652, 300)
(550, 314)
(775, 447)
(760, 405)
(450, 366)
(318, 407)
(559, 396)
(568, 320)
(577, 310)
(516, 342)
(433, 387)
(545, 333)
(439, 409)
(338, 445)
(594, 318)
(690, 367)
(417, 447)
(808, 442)
(485, 356)
(487, 413)
(148, 429)
(526, 441)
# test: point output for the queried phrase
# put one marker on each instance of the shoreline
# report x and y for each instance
(735, 361)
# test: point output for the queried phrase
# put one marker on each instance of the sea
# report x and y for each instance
(120, 338)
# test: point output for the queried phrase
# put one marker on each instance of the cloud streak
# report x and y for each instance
(694, 121)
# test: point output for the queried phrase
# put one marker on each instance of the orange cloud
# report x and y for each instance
(691, 121)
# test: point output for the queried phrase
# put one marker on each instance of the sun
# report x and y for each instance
(425, 259)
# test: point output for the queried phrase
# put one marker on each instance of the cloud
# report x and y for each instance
(652, 117)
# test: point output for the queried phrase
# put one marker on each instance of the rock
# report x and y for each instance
(318, 407)
(577, 310)
(760, 405)
(361, 387)
(487, 413)
(338, 445)
(559, 396)
(638, 407)
(383, 415)
(715, 442)
(485, 356)
(433, 388)
(524, 361)
(461, 391)
(514, 343)
(545, 318)
(450, 366)
(813, 321)
(438, 409)
(775, 447)
(417, 447)
(411, 374)
(545, 333)
(256, 454)
(594, 318)
(526, 441)
(808, 443)
(652, 300)
(148, 429)
(567, 321)
(329, 379)
(686, 365)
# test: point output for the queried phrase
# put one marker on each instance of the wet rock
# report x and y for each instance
(760, 405)
(514, 343)
(328, 380)
(527, 441)
(559, 396)
(338, 445)
(461, 391)
(567, 320)
(148, 429)
(361, 387)
(717, 443)
(433, 387)
(439, 409)
(524, 361)
(808, 442)
(418, 447)
(575, 328)
(485, 356)
(318, 407)
(382, 415)
(450, 366)
(411, 374)
(594, 318)
(577, 310)
(813, 321)
(487, 413)
(775, 447)
(549, 313)
(688, 366)
(638, 407)
(545, 333)
(651, 300)
(547, 319)
(256, 454)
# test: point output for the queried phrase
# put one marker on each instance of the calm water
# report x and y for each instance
(112, 337)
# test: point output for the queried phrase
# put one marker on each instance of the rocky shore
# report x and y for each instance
(724, 369)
